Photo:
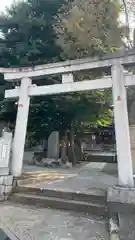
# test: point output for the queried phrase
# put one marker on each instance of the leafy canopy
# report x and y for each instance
(36, 32)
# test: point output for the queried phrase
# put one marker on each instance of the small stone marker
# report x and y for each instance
(5, 147)
(53, 145)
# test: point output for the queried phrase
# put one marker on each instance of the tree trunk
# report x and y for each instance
(72, 146)
(127, 35)
(64, 148)
(80, 156)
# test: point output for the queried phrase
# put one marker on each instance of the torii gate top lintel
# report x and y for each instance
(126, 58)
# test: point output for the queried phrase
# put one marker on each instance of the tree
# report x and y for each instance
(69, 114)
(129, 11)
(88, 28)
(29, 38)
(129, 7)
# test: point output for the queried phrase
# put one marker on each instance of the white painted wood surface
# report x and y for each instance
(20, 129)
(125, 170)
(68, 78)
(63, 88)
(11, 74)
(86, 85)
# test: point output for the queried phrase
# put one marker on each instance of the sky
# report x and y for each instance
(5, 3)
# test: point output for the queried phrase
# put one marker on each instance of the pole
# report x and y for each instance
(20, 129)
(125, 169)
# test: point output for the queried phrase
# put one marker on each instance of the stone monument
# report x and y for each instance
(5, 148)
(53, 145)
(6, 179)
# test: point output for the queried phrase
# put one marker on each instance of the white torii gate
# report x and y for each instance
(117, 81)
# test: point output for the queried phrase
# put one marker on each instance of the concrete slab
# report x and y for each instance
(35, 179)
(127, 226)
(105, 168)
(121, 199)
(92, 175)
(46, 224)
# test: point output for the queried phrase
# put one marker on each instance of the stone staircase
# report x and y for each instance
(93, 202)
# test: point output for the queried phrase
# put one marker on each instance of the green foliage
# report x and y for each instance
(36, 32)
(29, 37)
(88, 28)
(79, 110)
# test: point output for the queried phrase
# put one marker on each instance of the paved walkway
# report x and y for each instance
(23, 223)
(92, 175)
(127, 226)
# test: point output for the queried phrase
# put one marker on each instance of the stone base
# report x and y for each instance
(121, 199)
(4, 171)
(127, 226)
(5, 186)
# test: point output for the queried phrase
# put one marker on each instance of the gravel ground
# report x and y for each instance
(24, 223)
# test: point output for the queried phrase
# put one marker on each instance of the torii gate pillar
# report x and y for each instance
(20, 129)
(125, 169)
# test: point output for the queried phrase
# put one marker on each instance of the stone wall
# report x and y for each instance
(6, 180)
(6, 183)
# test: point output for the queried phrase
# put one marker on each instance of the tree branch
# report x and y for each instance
(127, 22)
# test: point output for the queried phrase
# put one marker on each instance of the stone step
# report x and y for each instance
(59, 203)
(102, 158)
(94, 195)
